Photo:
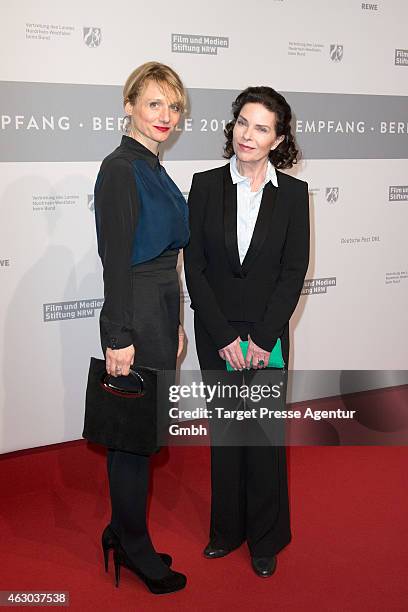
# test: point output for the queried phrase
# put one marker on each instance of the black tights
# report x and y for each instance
(128, 483)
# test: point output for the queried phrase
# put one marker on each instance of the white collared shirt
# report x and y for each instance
(248, 204)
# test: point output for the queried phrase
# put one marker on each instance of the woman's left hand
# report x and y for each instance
(257, 355)
(181, 337)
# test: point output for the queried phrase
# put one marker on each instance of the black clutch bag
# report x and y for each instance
(123, 412)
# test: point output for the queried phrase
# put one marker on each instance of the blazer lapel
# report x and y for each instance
(230, 222)
(268, 202)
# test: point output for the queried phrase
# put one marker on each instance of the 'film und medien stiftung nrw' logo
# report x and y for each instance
(332, 194)
(318, 285)
(92, 37)
(336, 53)
(198, 43)
(74, 309)
(90, 202)
(398, 193)
(401, 57)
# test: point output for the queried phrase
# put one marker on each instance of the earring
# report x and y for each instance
(126, 124)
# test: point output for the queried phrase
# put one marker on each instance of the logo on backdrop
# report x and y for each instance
(401, 57)
(336, 53)
(318, 285)
(78, 309)
(90, 202)
(198, 43)
(396, 277)
(332, 194)
(53, 202)
(48, 31)
(371, 124)
(4, 263)
(327, 195)
(92, 37)
(360, 240)
(398, 193)
(301, 49)
(310, 48)
(369, 7)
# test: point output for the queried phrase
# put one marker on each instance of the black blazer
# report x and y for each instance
(266, 288)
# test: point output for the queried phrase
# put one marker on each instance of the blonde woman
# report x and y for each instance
(142, 222)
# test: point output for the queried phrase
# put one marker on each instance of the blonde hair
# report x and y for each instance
(163, 75)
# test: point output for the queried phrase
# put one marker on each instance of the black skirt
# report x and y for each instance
(156, 310)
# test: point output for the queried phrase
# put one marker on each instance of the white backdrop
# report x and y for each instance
(54, 133)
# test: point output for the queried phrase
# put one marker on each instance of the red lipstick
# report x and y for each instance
(162, 128)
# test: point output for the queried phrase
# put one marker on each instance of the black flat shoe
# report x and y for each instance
(110, 541)
(263, 566)
(171, 582)
(212, 552)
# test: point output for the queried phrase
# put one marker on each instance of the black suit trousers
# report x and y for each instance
(249, 488)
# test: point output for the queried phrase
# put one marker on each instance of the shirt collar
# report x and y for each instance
(142, 152)
(238, 178)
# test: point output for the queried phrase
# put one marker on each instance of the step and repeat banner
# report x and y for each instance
(344, 69)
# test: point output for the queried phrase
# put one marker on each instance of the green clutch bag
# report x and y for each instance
(275, 358)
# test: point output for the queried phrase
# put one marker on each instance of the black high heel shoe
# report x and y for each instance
(111, 541)
(172, 581)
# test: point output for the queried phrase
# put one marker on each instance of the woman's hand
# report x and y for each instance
(118, 361)
(258, 355)
(181, 338)
(233, 354)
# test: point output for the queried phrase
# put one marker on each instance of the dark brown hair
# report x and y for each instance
(285, 155)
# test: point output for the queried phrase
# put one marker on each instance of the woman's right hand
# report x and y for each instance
(118, 361)
(233, 354)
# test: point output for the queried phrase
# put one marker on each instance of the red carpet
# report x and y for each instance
(349, 518)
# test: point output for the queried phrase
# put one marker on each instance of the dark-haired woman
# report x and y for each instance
(245, 266)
